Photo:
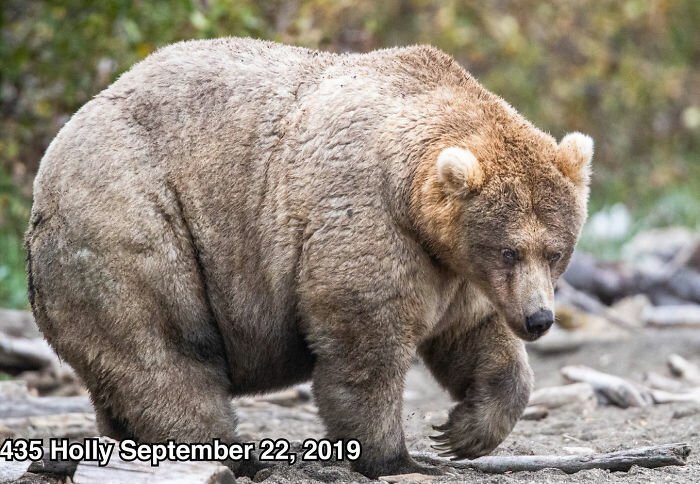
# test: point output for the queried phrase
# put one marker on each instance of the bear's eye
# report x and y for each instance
(509, 256)
(554, 257)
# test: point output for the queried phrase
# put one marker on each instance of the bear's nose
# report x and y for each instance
(539, 322)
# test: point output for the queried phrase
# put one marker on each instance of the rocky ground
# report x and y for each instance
(603, 429)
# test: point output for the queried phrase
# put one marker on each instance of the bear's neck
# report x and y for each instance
(435, 215)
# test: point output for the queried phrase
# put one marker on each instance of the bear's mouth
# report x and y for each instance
(534, 336)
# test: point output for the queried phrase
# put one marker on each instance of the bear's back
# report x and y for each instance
(264, 67)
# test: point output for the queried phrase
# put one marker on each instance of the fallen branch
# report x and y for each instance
(622, 460)
(656, 381)
(26, 353)
(680, 316)
(662, 396)
(554, 397)
(34, 406)
(683, 368)
(136, 472)
(19, 324)
(615, 389)
(71, 425)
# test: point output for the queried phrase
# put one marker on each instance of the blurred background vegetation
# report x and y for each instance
(625, 71)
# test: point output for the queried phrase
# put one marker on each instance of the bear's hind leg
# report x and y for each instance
(176, 399)
(152, 390)
(135, 325)
(109, 426)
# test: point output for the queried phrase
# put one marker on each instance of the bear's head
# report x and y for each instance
(504, 207)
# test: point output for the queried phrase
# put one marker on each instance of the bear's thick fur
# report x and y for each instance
(234, 216)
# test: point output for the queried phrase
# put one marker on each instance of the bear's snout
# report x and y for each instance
(539, 322)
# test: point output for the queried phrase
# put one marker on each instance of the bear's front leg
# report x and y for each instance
(487, 371)
(358, 386)
(363, 308)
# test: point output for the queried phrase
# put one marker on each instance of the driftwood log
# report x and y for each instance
(554, 397)
(143, 473)
(35, 406)
(656, 381)
(676, 280)
(90, 472)
(208, 472)
(64, 425)
(19, 324)
(622, 460)
(616, 390)
(680, 316)
(26, 353)
(17, 402)
(662, 396)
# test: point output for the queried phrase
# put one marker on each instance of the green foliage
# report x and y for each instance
(14, 213)
(624, 71)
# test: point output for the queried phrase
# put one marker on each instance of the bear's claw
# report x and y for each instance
(463, 446)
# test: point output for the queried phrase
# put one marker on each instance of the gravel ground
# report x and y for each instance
(604, 429)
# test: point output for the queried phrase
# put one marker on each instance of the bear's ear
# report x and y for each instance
(459, 171)
(574, 156)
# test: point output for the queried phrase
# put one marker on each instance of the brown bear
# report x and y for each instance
(235, 216)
